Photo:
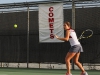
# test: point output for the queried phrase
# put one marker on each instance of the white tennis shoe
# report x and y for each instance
(68, 74)
(84, 73)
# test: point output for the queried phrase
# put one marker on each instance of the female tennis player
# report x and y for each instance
(74, 51)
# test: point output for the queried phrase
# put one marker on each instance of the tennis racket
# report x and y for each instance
(86, 34)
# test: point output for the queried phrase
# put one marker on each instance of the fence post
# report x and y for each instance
(73, 23)
(28, 37)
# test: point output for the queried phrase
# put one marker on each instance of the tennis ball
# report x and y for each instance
(15, 25)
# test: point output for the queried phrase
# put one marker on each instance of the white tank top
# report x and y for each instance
(73, 38)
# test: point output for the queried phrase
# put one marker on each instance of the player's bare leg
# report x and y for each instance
(76, 57)
(69, 56)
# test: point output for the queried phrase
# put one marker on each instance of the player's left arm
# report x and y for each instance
(66, 38)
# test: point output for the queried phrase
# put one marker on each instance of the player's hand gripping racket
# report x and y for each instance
(86, 34)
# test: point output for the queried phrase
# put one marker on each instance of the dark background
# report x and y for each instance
(13, 41)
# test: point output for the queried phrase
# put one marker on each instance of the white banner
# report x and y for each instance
(50, 22)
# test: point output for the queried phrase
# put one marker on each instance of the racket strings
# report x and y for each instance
(86, 34)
